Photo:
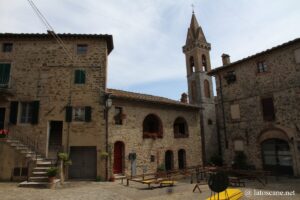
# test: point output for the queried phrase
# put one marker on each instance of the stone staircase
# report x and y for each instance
(38, 177)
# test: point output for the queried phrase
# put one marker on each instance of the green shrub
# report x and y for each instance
(161, 168)
(52, 171)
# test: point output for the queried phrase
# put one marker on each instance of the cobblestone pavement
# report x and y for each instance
(81, 190)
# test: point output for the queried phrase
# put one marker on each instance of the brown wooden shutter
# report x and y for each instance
(268, 109)
(13, 117)
(68, 113)
(35, 112)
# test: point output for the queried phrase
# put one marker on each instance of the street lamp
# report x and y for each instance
(108, 104)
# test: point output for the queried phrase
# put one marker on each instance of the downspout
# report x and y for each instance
(106, 142)
(223, 112)
(202, 137)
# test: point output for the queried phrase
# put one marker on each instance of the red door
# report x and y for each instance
(118, 157)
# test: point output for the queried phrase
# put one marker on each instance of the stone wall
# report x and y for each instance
(131, 134)
(41, 71)
(282, 83)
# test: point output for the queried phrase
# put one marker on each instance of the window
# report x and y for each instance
(268, 109)
(192, 64)
(82, 48)
(79, 114)
(238, 145)
(230, 77)
(204, 63)
(181, 159)
(4, 75)
(152, 127)
(119, 115)
(261, 67)
(79, 76)
(209, 122)
(180, 128)
(7, 47)
(26, 112)
(235, 111)
(297, 55)
(206, 89)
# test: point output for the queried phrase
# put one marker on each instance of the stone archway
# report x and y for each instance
(276, 152)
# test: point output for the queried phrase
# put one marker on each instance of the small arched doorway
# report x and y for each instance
(181, 159)
(118, 157)
(169, 160)
(277, 157)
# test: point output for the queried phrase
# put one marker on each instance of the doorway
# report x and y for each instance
(169, 163)
(55, 138)
(118, 157)
(2, 118)
(181, 159)
(277, 157)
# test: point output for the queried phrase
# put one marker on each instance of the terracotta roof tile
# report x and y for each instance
(147, 98)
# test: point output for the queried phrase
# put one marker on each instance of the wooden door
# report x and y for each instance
(169, 163)
(118, 157)
(84, 163)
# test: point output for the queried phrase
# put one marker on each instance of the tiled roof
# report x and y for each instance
(108, 38)
(147, 98)
(213, 71)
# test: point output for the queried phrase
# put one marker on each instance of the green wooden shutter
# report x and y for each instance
(68, 113)
(79, 77)
(13, 115)
(88, 114)
(4, 73)
(35, 112)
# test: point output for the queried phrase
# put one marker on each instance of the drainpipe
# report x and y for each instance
(223, 112)
(202, 137)
(108, 104)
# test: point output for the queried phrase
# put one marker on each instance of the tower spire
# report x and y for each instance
(195, 32)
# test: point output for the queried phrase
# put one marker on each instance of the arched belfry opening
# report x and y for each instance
(192, 64)
(204, 63)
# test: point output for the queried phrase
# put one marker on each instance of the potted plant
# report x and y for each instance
(3, 133)
(64, 161)
(51, 173)
(104, 154)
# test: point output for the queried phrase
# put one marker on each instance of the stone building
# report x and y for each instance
(196, 50)
(147, 131)
(53, 102)
(258, 108)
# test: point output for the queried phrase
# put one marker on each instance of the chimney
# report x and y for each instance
(183, 98)
(225, 59)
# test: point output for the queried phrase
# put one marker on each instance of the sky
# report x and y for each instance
(149, 34)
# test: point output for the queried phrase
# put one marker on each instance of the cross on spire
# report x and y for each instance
(193, 7)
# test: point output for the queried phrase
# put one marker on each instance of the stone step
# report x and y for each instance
(12, 141)
(39, 173)
(36, 184)
(39, 179)
(43, 163)
(36, 169)
(23, 148)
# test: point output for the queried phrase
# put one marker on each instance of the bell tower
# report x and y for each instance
(196, 50)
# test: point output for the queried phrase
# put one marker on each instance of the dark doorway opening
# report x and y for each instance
(55, 138)
(277, 157)
(169, 160)
(2, 118)
(118, 157)
(181, 159)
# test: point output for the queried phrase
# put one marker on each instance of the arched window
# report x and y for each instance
(206, 89)
(152, 127)
(181, 159)
(169, 160)
(204, 63)
(192, 64)
(180, 128)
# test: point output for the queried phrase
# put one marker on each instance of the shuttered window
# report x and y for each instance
(4, 74)
(268, 109)
(79, 76)
(78, 114)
